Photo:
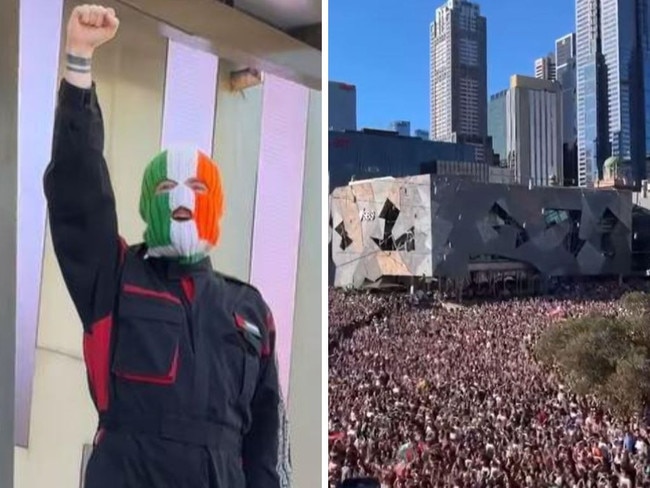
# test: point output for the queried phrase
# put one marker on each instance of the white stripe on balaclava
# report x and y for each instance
(181, 166)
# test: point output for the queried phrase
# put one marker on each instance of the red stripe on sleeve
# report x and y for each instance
(96, 348)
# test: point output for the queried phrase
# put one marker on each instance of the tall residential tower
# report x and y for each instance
(458, 76)
(545, 68)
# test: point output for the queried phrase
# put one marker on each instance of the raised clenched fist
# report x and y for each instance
(90, 26)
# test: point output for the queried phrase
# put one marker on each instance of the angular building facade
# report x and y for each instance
(427, 226)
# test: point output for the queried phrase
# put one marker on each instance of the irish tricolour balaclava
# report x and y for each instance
(182, 204)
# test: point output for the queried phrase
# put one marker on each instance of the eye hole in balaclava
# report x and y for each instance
(182, 204)
(196, 185)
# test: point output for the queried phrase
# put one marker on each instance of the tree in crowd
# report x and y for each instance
(608, 357)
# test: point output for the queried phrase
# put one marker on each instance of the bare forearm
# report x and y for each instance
(78, 68)
(89, 27)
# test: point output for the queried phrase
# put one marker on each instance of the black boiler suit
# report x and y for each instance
(180, 359)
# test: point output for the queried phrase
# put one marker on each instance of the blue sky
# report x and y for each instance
(382, 46)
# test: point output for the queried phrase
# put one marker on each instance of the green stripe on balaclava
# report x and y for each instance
(155, 209)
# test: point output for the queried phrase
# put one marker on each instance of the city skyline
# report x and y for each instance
(410, 28)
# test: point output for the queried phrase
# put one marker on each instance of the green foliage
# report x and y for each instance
(636, 302)
(637, 305)
(626, 390)
(605, 356)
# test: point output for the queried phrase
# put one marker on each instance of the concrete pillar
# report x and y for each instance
(278, 201)
(8, 206)
(308, 375)
(238, 129)
(40, 27)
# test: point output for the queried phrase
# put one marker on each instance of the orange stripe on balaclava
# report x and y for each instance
(209, 205)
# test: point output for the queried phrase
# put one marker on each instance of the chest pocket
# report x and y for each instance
(147, 343)
(248, 342)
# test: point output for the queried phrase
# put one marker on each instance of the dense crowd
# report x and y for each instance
(452, 397)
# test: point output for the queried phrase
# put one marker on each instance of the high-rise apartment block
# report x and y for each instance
(458, 76)
(545, 68)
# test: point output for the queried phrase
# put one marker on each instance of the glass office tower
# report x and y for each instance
(613, 83)
(591, 81)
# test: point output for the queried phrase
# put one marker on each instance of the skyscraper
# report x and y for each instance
(591, 93)
(565, 50)
(622, 35)
(545, 68)
(458, 76)
(342, 108)
(497, 125)
(534, 130)
(565, 66)
(613, 78)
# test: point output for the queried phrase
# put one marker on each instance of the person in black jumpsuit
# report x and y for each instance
(186, 391)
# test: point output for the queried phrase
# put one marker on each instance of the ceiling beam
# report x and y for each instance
(312, 35)
(236, 36)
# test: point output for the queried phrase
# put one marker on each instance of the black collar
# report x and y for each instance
(174, 269)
